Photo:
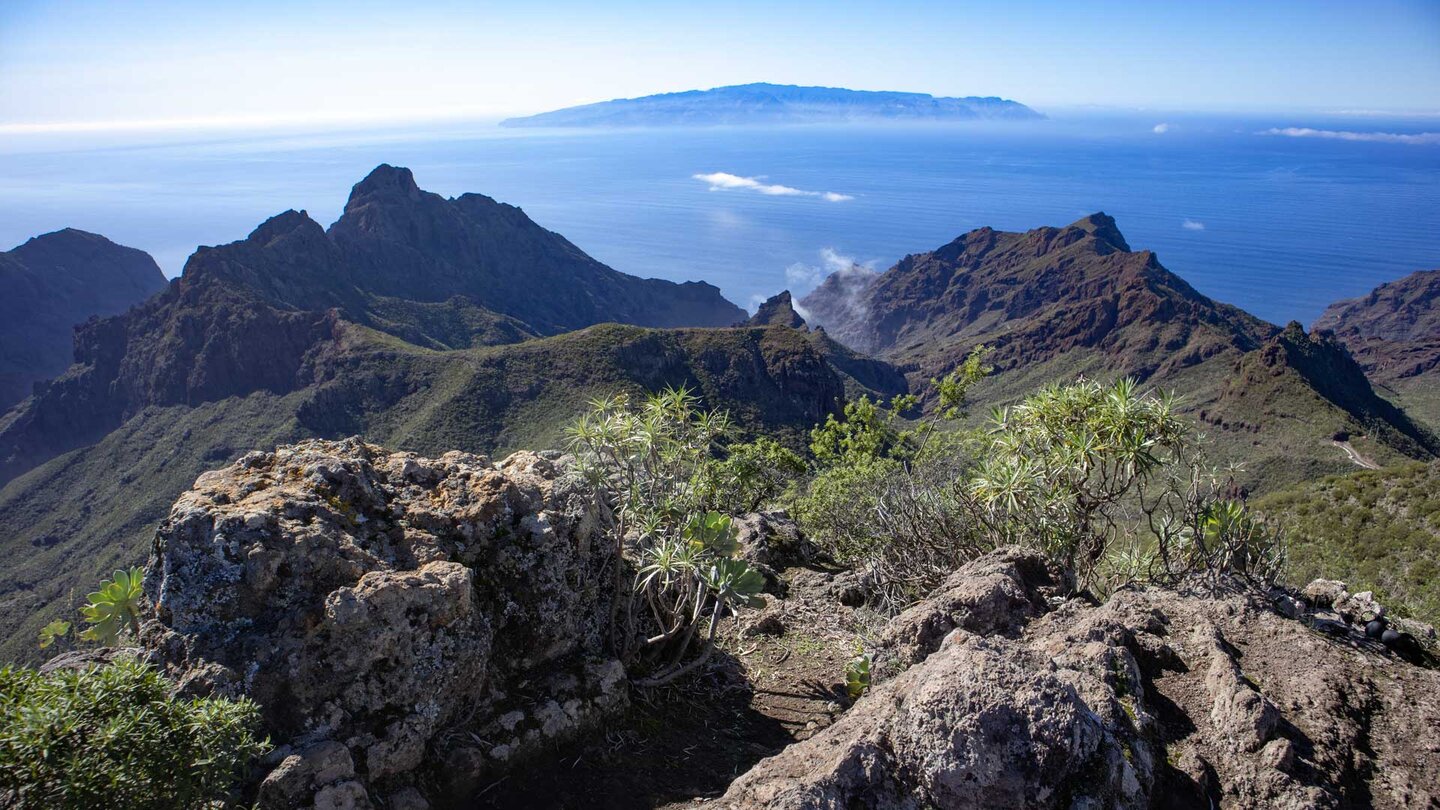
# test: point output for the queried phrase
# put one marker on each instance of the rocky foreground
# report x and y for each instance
(414, 628)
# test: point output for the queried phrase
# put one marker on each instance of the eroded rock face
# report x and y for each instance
(1008, 696)
(373, 602)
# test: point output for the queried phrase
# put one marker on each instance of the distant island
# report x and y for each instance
(777, 104)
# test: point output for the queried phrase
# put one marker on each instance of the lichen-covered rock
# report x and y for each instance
(373, 602)
(1008, 696)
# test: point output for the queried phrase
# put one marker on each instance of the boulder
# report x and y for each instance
(1000, 692)
(375, 604)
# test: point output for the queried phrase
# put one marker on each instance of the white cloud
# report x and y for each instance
(801, 278)
(1342, 135)
(1160, 129)
(1193, 225)
(724, 181)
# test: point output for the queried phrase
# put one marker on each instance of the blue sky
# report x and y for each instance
(146, 61)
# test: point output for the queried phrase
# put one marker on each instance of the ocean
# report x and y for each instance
(1266, 212)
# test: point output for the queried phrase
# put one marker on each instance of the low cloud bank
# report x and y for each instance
(724, 181)
(1419, 138)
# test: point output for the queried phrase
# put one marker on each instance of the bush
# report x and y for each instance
(883, 495)
(754, 474)
(654, 466)
(113, 736)
(1111, 483)
(1106, 480)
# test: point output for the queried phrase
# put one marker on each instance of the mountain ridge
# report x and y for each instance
(1078, 301)
(1394, 333)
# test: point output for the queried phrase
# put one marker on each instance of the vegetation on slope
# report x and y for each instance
(1377, 530)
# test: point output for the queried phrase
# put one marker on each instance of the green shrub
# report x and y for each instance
(883, 497)
(755, 473)
(112, 736)
(654, 465)
(1111, 483)
(1106, 480)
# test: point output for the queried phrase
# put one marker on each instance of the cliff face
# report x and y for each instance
(51, 284)
(1394, 333)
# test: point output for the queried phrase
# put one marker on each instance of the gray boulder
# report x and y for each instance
(997, 692)
(387, 611)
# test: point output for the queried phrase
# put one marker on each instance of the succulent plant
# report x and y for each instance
(114, 608)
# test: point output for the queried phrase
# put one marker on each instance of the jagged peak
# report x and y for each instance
(1102, 226)
(778, 310)
(385, 179)
(283, 224)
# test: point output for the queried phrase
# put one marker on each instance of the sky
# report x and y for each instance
(82, 64)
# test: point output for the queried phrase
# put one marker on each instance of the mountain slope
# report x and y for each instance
(73, 517)
(406, 323)
(1377, 530)
(1060, 302)
(49, 285)
(1394, 332)
(763, 103)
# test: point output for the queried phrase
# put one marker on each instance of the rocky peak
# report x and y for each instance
(385, 181)
(1102, 226)
(1002, 690)
(779, 310)
(376, 603)
(289, 224)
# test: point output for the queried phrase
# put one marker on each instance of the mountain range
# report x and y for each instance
(763, 103)
(1056, 303)
(430, 324)
(413, 320)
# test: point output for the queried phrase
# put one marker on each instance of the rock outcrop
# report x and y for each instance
(389, 613)
(1002, 693)
(778, 310)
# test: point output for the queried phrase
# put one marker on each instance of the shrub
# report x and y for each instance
(1106, 480)
(113, 736)
(882, 497)
(756, 473)
(655, 470)
(1110, 482)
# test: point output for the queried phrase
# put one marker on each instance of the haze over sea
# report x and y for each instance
(1268, 214)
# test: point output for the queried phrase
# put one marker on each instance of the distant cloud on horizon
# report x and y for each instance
(1193, 225)
(724, 181)
(1419, 138)
(1160, 129)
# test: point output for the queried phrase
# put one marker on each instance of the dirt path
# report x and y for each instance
(1354, 455)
